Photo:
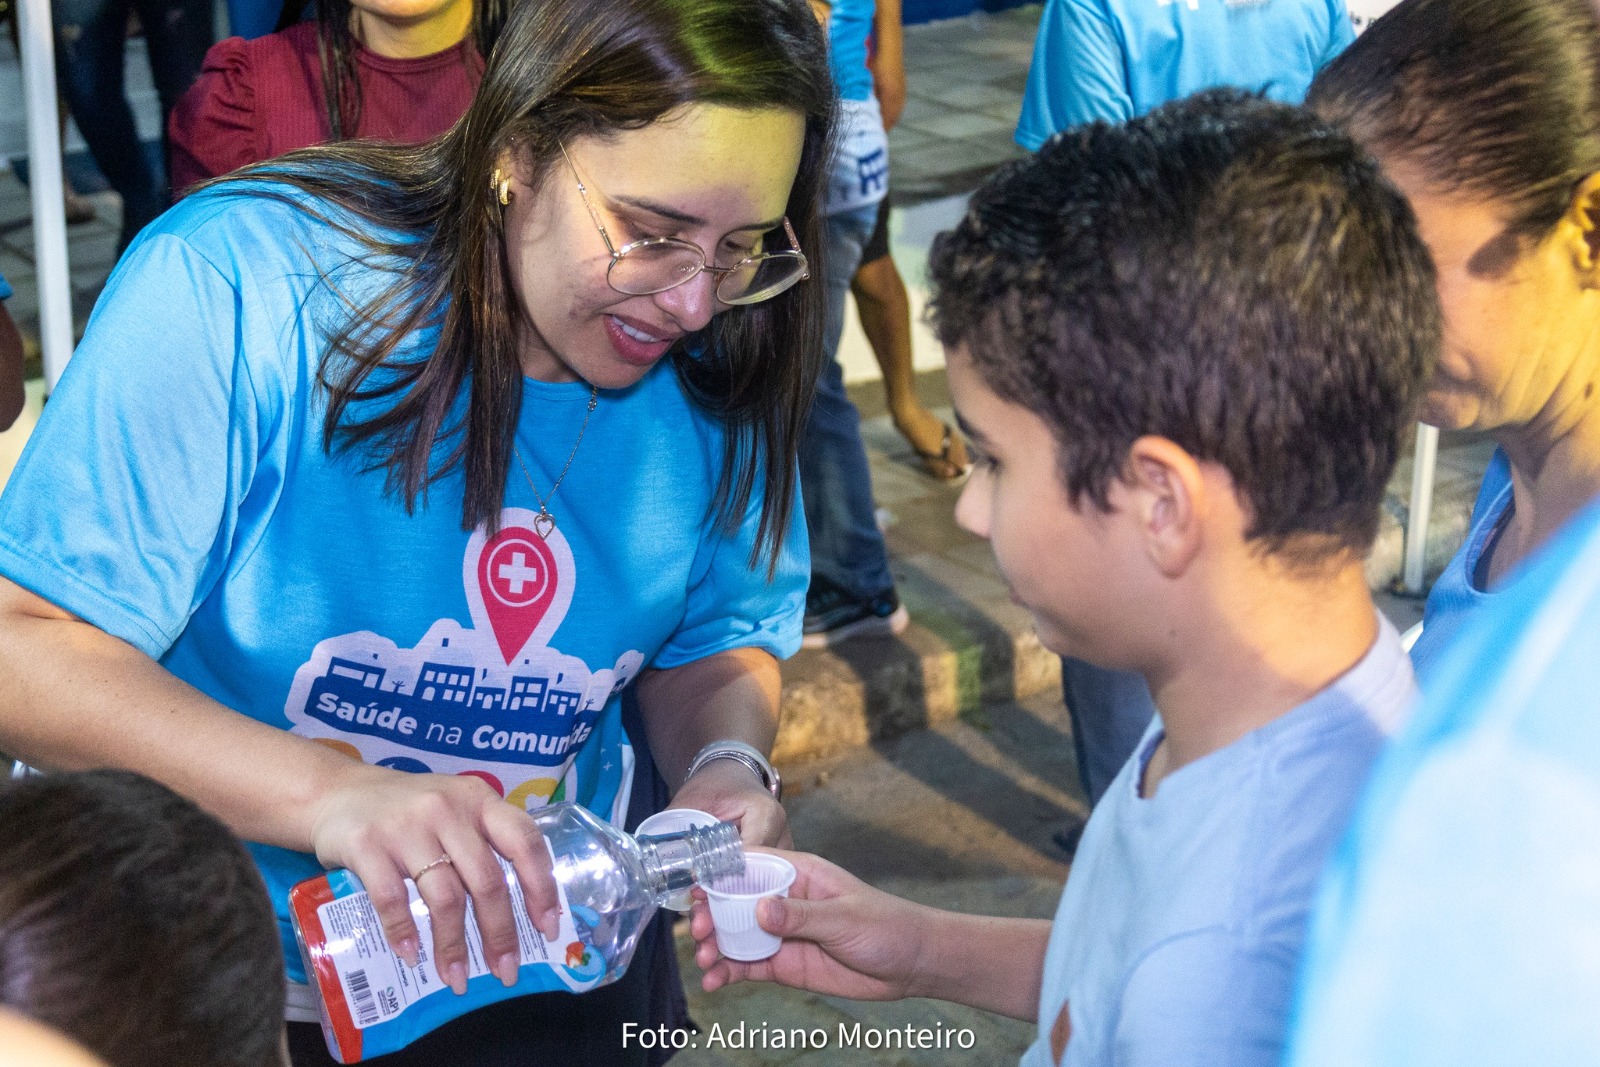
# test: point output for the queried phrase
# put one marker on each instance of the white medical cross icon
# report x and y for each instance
(517, 572)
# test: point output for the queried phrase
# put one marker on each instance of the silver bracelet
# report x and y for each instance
(747, 755)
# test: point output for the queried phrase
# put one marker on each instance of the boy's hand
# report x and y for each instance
(841, 937)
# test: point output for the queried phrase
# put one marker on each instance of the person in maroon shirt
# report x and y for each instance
(401, 70)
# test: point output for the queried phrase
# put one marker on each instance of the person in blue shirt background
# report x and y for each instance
(1114, 59)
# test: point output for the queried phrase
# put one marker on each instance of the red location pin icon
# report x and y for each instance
(517, 575)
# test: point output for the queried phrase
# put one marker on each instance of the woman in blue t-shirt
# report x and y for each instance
(1485, 114)
(380, 459)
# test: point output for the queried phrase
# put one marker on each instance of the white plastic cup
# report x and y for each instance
(672, 821)
(733, 900)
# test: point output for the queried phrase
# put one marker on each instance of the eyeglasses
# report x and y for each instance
(656, 264)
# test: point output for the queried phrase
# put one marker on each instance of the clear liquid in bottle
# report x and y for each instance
(608, 883)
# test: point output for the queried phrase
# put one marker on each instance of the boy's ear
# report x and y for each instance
(1584, 215)
(1166, 498)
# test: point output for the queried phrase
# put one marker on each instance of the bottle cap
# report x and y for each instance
(733, 900)
(672, 821)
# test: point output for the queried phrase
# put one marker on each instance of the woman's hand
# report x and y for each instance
(388, 826)
(842, 937)
(726, 788)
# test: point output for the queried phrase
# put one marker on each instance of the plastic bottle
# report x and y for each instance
(608, 882)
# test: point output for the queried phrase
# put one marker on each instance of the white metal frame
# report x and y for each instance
(1416, 543)
(44, 171)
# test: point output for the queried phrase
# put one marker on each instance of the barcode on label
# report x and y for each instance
(361, 994)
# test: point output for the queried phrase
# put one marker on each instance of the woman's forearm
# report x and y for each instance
(732, 695)
(76, 697)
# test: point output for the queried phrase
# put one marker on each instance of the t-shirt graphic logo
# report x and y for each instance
(872, 172)
(519, 584)
(495, 700)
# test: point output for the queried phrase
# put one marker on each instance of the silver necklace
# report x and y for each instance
(544, 522)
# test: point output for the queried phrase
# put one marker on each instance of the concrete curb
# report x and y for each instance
(946, 664)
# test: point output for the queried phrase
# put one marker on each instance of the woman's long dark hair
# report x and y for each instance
(564, 69)
(336, 53)
(1497, 98)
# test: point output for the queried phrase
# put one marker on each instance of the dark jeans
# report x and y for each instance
(1109, 710)
(835, 479)
(559, 1028)
(91, 37)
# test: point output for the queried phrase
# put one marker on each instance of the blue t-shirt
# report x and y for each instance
(849, 28)
(1180, 927)
(1459, 920)
(1456, 597)
(176, 494)
(5, 288)
(1117, 59)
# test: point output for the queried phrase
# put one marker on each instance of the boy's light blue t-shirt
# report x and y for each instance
(1118, 59)
(1457, 597)
(1180, 928)
(5, 288)
(1459, 925)
(176, 494)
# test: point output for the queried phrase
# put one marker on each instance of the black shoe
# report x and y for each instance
(835, 614)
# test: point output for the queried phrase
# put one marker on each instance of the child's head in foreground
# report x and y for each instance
(1188, 348)
(136, 924)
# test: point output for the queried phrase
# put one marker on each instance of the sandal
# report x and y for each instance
(939, 464)
(78, 208)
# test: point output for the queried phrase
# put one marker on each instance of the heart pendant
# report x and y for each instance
(543, 523)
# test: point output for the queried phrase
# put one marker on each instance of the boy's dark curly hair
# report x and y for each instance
(1229, 273)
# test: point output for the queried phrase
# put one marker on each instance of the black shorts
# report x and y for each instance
(877, 245)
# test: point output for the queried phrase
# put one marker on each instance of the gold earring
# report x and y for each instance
(501, 185)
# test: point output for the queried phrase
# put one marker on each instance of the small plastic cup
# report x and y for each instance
(733, 900)
(672, 821)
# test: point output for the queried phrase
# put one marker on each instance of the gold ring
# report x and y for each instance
(442, 861)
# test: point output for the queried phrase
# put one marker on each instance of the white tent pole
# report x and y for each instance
(1422, 470)
(44, 177)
